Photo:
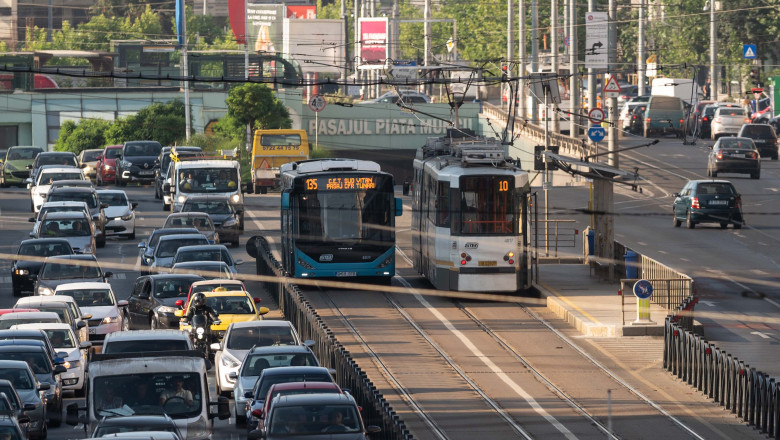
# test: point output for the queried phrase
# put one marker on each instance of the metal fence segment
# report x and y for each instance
(296, 309)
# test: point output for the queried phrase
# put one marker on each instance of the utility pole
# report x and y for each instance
(521, 84)
(591, 71)
(510, 50)
(612, 108)
(185, 62)
(535, 55)
(50, 23)
(356, 14)
(346, 44)
(574, 86)
(713, 53)
(640, 57)
(427, 36)
(553, 59)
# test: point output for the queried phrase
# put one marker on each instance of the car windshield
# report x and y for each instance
(57, 159)
(37, 360)
(45, 249)
(55, 271)
(244, 338)
(201, 223)
(132, 427)
(112, 153)
(262, 389)
(254, 364)
(208, 180)
(68, 196)
(23, 153)
(60, 338)
(168, 248)
(172, 288)
(142, 149)
(712, 188)
(47, 178)
(736, 143)
(158, 233)
(314, 420)
(145, 345)
(46, 209)
(665, 103)
(756, 130)
(209, 207)
(177, 395)
(204, 255)
(731, 111)
(19, 378)
(12, 396)
(90, 297)
(10, 321)
(9, 433)
(66, 228)
(231, 305)
(91, 156)
(114, 199)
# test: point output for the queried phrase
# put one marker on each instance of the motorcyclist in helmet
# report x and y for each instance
(199, 307)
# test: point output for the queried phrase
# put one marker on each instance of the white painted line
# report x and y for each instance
(5, 280)
(763, 335)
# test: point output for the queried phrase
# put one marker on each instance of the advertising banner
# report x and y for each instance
(373, 40)
(308, 12)
(265, 22)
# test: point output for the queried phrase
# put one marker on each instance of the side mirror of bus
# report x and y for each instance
(166, 187)
(399, 207)
(248, 188)
(286, 200)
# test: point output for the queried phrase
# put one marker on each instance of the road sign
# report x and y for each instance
(596, 40)
(749, 51)
(596, 115)
(612, 88)
(567, 41)
(597, 134)
(643, 289)
(317, 103)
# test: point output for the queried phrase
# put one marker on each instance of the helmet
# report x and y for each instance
(199, 300)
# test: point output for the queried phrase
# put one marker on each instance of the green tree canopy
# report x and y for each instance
(163, 123)
(83, 135)
(258, 106)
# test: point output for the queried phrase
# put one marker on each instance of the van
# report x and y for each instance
(126, 384)
(685, 89)
(206, 177)
(270, 150)
(664, 114)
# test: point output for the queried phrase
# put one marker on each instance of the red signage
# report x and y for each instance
(307, 12)
(237, 12)
(373, 40)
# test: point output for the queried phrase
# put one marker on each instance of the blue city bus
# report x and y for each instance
(338, 220)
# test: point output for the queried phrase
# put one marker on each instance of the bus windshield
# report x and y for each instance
(349, 216)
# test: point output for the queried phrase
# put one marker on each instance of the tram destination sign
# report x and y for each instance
(348, 183)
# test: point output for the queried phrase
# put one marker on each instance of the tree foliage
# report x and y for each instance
(258, 106)
(85, 135)
(160, 122)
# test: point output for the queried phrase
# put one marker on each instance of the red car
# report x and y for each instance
(106, 165)
(295, 388)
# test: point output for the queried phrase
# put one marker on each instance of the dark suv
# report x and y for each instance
(763, 136)
(137, 162)
(715, 201)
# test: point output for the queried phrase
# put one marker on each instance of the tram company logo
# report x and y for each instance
(326, 257)
(471, 245)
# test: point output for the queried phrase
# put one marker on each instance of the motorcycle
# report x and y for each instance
(200, 332)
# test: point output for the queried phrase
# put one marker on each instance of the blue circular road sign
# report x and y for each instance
(643, 289)
(597, 134)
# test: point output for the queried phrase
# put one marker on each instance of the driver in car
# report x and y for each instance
(177, 391)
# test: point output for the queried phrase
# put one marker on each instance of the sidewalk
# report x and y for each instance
(592, 305)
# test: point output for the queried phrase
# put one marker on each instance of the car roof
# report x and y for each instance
(86, 285)
(181, 236)
(312, 399)
(304, 385)
(281, 371)
(85, 257)
(261, 323)
(217, 283)
(133, 419)
(204, 197)
(26, 332)
(199, 264)
(134, 335)
(58, 168)
(63, 203)
(110, 191)
(43, 240)
(203, 247)
(226, 293)
(278, 349)
(32, 302)
(75, 189)
(7, 363)
(187, 214)
(31, 315)
(39, 326)
(698, 181)
(208, 163)
(175, 276)
(12, 345)
(64, 215)
(112, 147)
(175, 231)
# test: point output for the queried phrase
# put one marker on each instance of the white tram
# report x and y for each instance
(470, 215)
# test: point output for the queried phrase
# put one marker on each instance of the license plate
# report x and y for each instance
(346, 274)
(719, 202)
(487, 263)
(92, 331)
(146, 173)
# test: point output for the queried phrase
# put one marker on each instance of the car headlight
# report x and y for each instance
(108, 167)
(10, 167)
(72, 364)
(235, 198)
(128, 216)
(182, 199)
(230, 222)
(126, 164)
(45, 291)
(67, 365)
(167, 309)
(110, 320)
(21, 272)
(229, 361)
(87, 249)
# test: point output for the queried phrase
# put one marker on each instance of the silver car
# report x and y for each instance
(76, 227)
(18, 373)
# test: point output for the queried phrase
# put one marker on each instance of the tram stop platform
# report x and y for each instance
(593, 305)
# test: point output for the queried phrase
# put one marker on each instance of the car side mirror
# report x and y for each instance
(87, 317)
(108, 274)
(24, 418)
(59, 360)
(249, 395)
(99, 158)
(133, 205)
(256, 434)
(263, 311)
(103, 205)
(31, 234)
(122, 303)
(142, 245)
(43, 386)
(179, 303)
(233, 375)
(238, 262)
(86, 345)
(29, 407)
(215, 346)
(676, 195)
(239, 211)
(31, 219)
(81, 324)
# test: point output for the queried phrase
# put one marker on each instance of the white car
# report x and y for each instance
(32, 302)
(239, 338)
(728, 121)
(120, 214)
(57, 207)
(40, 188)
(67, 346)
(98, 300)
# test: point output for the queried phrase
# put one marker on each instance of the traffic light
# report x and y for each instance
(754, 75)
(504, 71)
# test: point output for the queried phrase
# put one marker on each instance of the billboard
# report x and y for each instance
(264, 23)
(308, 12)
(323, 53)
(373, 40)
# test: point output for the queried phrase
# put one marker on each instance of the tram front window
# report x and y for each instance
(487, 206)
(362, 216)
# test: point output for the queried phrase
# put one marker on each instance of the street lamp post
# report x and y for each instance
(713, 52)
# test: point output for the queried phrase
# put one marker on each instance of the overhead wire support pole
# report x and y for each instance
(574, 87)
(553, 56)
(535, 54)
(521, 70)
(640, 56)
(713, 53)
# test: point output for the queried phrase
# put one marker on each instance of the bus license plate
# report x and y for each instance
(487, 263)
(346, 274)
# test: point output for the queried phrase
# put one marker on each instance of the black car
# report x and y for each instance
(148, 246)
(714, 201)
(136, 164)
(636, 119)
(734, 155)
(152, 303)
(163, 165)
(23, 272)
(115, 425)
(763, 136)
(92, 199)
(61, 158)
(705, 120)
(11, 405)
(224, 215)
(61, 270)
(44, 369)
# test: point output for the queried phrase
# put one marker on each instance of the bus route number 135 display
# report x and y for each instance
(340, 183)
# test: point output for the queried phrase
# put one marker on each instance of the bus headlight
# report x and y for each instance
(387, 261)
(182, 199)
(510, 257)
(305, 265)
(235, 198)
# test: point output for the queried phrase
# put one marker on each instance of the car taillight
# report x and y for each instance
(681, 121)
(747, 120)
(738, 202)
(706, 118)
(755, 155)
(695, 203)
(719, 155)
(647, 119)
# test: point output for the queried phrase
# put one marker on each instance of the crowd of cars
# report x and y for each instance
(69, 331)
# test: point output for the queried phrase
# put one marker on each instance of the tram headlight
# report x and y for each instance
(464, 258)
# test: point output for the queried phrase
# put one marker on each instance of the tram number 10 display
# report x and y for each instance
(340, 183)
(503, 185)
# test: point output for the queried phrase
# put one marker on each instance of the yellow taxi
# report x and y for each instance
(231, 305)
